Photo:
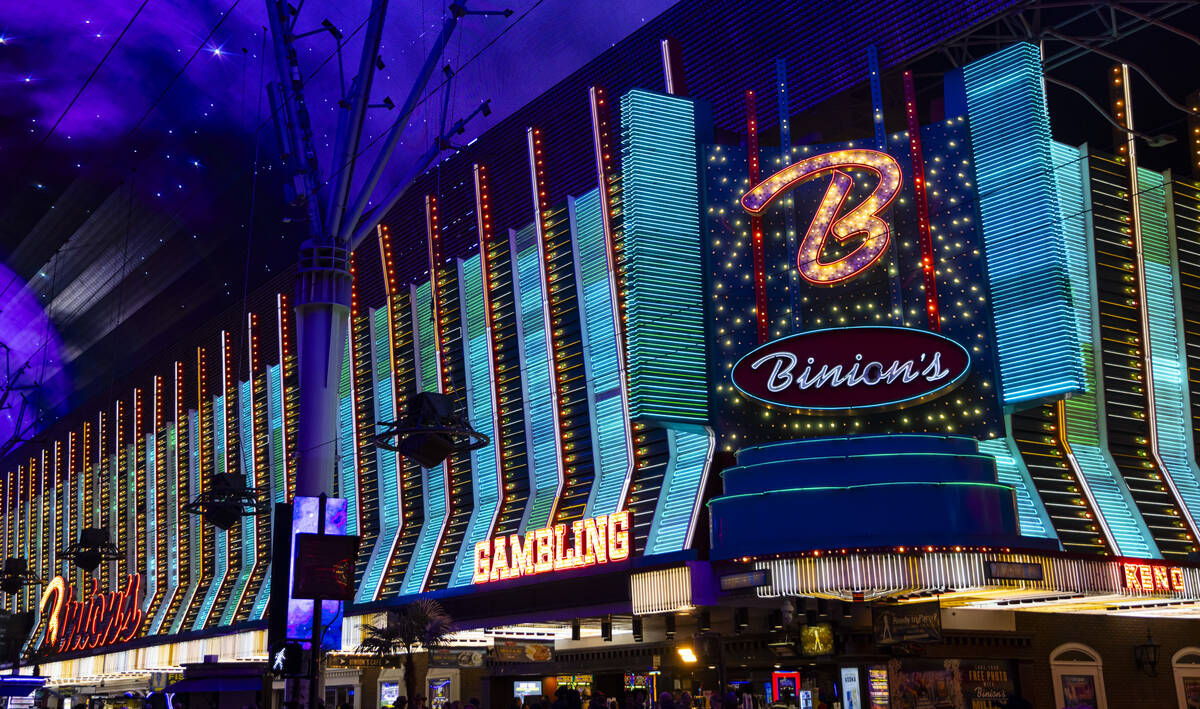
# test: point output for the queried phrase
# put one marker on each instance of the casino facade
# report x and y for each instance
(903, 416)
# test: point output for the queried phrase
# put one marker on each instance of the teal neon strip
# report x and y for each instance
(172, 493)
(387, 463)
(611, 442)
(151, 540)
(1032, 517)
(249, 524)
(347, 433)
(847, 488)
(691, 450)
(221, 552)
(436, 488)
(1172, 409)
(1023, 238)
(485, 467)
(196, 540)
(1085, 430)
(275, 417)
(668, 376)
(536, 382)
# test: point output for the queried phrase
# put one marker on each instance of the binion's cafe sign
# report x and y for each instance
(846, 369)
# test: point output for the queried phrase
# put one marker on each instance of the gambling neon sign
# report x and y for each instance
(593, 541)
(1152, 578)
(862, 220)
(95, 621)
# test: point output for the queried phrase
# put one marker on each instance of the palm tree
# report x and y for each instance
(422, 623)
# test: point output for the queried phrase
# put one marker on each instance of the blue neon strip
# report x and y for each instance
(691, 450)
(485, 481)
(151, 540)
(434, 478)
(539, 398)
(668, 376)
(610, 429)
(172, 493)
(1031, 299)
(1085, 430)
(348, 458)
(1032, 517)
(196, 528)
(249, 524)
(1172, 410)
(386, 461)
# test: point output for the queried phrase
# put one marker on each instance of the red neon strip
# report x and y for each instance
(756, 233)
(918, 168)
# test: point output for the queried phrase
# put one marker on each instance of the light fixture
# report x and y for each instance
(16, 576)
(227, 500)
(686, 654)
(431, 432)
(1146, 655)
(92, 548)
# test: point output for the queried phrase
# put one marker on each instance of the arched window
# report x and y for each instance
(1078, 676)
(1185, 665)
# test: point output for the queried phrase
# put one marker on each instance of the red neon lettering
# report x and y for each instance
(95, 621)
(592, 541)
(862, 219)
(1147, 578)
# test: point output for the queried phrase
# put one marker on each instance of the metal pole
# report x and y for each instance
(314, 660)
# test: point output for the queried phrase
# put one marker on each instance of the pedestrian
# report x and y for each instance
(665, 701)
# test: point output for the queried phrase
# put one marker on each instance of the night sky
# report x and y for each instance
(173, 124)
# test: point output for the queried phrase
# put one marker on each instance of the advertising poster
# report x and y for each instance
(389, 692)
(907, 623)
(1191, 692)
(1078, 691)
(457, 657)
(523, 651)
(986, 685)
(877, 687)
(851, 694)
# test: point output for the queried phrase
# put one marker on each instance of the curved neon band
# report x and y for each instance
(862, 219)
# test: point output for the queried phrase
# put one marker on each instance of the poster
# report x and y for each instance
(1078, 690)
(389, 692)
(907, 623)
(456, 657)
(986, 684)
(1191, 692)
(523, 651)
(851, 695)
(877, 687)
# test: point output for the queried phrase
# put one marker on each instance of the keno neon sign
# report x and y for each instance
(862, 220)
(98, 620)
(596, 540)
(1153, 578)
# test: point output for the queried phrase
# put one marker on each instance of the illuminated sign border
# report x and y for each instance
(595, 540)
(941, 390)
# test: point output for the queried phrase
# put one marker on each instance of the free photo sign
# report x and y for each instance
(850, 369)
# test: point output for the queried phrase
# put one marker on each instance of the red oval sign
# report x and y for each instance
(852, 368)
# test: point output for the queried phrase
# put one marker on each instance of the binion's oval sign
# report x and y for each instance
(849, 369)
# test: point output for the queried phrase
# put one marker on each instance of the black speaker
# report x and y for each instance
(606, 629)
(638, 633)
(670, 626)
(704, 621)
(575, 630)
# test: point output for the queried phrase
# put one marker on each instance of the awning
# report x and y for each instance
(216, 684)
(20, 686)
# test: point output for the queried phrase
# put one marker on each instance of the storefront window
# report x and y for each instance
(1185, 665)
(1078, 677)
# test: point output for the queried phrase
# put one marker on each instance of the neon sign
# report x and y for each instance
(597, 540)
(852, 368)
(862, 219)
(1152, 578)
(98, 620)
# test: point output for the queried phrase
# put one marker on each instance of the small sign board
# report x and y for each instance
(745, 579)
(1015, 571)
(908, 623)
